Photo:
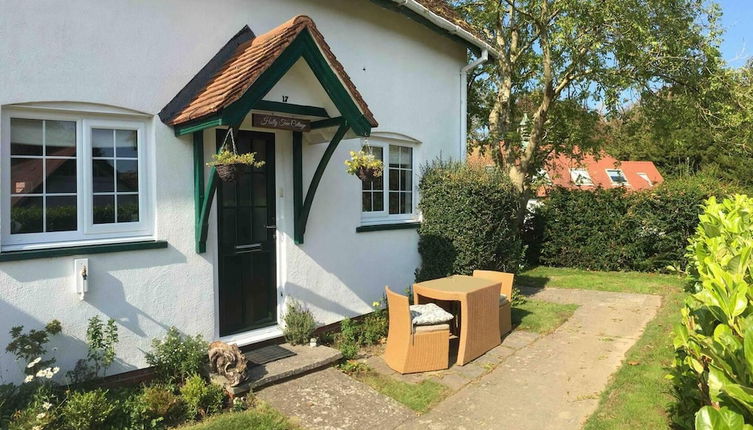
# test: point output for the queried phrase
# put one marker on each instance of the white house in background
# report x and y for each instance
(109, 112)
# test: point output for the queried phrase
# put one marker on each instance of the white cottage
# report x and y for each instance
(109, 112)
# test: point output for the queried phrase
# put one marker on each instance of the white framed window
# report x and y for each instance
(617, 177)
(391, 197)
(580, 177)
(645, 177)
(72, 177)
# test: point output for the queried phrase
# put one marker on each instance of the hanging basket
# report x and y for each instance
(368, 174)
(230, 172)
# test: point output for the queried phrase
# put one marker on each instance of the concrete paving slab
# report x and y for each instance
(329, 400)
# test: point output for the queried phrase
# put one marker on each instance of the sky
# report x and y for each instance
(737, 21)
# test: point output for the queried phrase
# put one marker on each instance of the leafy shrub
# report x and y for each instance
(299, 323)
(713, 366)
(348, 340)
(31, 347)
(612, 229)
(469, 221)
(101, 340)
(87, 410)
(374, 326)
(202, 399)
(177, 356)
(34, 405)
(162, 404)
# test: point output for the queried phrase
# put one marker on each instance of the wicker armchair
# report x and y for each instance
(505, 308)
(414, 349)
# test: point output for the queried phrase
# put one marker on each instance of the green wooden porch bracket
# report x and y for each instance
(302, 218)
(297, 184)
(203, 199)
(198, 185)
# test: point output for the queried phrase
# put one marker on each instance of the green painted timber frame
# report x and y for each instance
(301, 209)
(304, 46)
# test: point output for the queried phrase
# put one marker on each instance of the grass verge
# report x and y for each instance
(418, 397)
(540, 316)
(262, 417)
(638, 395)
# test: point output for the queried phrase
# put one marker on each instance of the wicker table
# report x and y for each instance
(479, 310)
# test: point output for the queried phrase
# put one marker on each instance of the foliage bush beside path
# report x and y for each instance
(713, 370)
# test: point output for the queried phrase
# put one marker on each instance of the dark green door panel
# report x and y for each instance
(246, 234)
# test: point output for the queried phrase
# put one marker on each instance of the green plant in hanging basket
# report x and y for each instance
(229, 164)
(364, 165)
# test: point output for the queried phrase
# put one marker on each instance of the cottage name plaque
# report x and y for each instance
(280, 122)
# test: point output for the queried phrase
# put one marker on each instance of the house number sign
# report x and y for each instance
(280, 122)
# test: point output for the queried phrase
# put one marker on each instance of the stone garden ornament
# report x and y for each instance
(228, 361)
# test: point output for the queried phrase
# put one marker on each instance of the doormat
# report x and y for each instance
(268, 354)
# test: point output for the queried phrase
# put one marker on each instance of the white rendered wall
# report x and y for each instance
(138, 55)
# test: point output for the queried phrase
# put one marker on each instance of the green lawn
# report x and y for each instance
(419, 397)
(540, 316)
(639, 395)
(261, 417)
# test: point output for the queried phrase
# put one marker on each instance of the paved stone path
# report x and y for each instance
(542, 382)
(330, 399)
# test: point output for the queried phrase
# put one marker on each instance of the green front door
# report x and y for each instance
(246, 232)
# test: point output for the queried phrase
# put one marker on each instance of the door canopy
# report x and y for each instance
(246, 69)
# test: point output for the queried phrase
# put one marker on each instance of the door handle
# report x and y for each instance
(271, 227)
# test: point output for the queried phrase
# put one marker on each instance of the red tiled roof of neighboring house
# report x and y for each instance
(247, 63)
(639, 175)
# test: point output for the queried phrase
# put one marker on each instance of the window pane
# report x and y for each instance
(376, 151)
(104, 209)
(394, 180)
(366, 205)
(406, 204)
(128, 208)
(103, 174)
(128, 176)
(61, 175)
(26, 215)
(394, 203)
(61, 213)
(26, 176)
(126, 143)
(25, 136)
(405, 180)
(378, 200)
(394, 156)
(102, 142)
(406, 157)
(60, 138)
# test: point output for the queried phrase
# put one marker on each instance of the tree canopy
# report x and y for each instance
(561, 60)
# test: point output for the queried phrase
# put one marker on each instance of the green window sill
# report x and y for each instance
(383, 227)
(81, 250)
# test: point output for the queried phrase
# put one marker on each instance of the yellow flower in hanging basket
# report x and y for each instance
(229, 165)
(364, 165)
(225, 156)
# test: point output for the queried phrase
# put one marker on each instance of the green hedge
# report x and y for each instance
(469, 221)
(613, 229)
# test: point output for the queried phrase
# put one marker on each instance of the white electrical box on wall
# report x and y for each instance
(81, 275)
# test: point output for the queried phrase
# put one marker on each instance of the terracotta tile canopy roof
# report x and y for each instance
(249, 60)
